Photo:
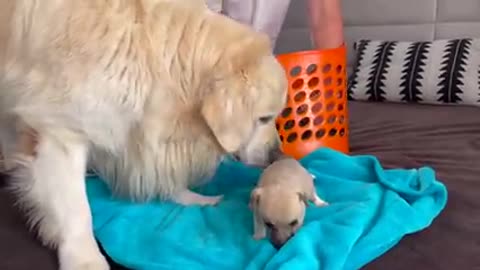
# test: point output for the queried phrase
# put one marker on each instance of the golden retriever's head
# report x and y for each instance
(248, 93)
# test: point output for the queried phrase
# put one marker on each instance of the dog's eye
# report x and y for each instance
(265, 119)
(293, 223)
(269, 225)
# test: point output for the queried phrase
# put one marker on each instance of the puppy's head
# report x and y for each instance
(282, 210)
(248, 93)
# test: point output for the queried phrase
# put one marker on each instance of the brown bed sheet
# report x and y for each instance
(446, 138)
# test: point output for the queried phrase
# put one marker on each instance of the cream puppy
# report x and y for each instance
(280, 199)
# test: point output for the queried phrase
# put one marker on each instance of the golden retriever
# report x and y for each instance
(151, 94)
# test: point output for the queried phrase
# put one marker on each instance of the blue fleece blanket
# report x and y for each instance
(370, 210)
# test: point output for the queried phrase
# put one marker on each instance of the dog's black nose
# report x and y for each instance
(278, 242)
(275, 154)
(277, 245)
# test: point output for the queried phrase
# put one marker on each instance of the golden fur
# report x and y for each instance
(151, 94)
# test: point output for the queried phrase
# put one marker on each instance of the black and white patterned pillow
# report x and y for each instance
(431, 72)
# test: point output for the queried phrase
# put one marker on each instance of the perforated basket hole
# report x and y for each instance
(341, 119)
(304, 122)
(320, 133)
(331, 119)
(332, 132)
(341, 133)
(292, 137)
(339, 81)
(339, 94)
(300, 96)
(318, 120)
(295, 71)
(340, 107)
(317, 107)
(297, 84)
(286, 112)
(326, 68)
(277, 126)
(281, 138)
(302, 109)
(338, 69)
(314, 95)
(313, 82)
(327, 81)
(289, 124)
(307, 134)
(330, 107)
(329, 93)
(311, 69)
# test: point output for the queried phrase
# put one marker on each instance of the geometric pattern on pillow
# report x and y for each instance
(431, 72)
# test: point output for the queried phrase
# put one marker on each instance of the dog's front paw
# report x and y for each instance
(210, 200)
(188, 197)
(94, 264)
(82, 259)
(79, 262)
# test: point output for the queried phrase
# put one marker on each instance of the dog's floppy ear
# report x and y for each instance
(255, 197)
(228, 118)
(246, 51)
(303, 198)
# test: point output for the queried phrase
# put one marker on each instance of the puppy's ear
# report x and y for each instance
(255, 198)
(303, 198)
(227, 118)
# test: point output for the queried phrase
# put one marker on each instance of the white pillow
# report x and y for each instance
(430, 72)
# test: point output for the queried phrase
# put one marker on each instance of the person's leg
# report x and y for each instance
(269, 17)
(214, 5)
(265, 16)
(239, 10)
(326, 23)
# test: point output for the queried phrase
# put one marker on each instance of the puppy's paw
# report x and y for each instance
(319, 202)
(82, 260)
(188, 197)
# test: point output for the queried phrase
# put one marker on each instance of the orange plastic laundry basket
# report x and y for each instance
(316, 113)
